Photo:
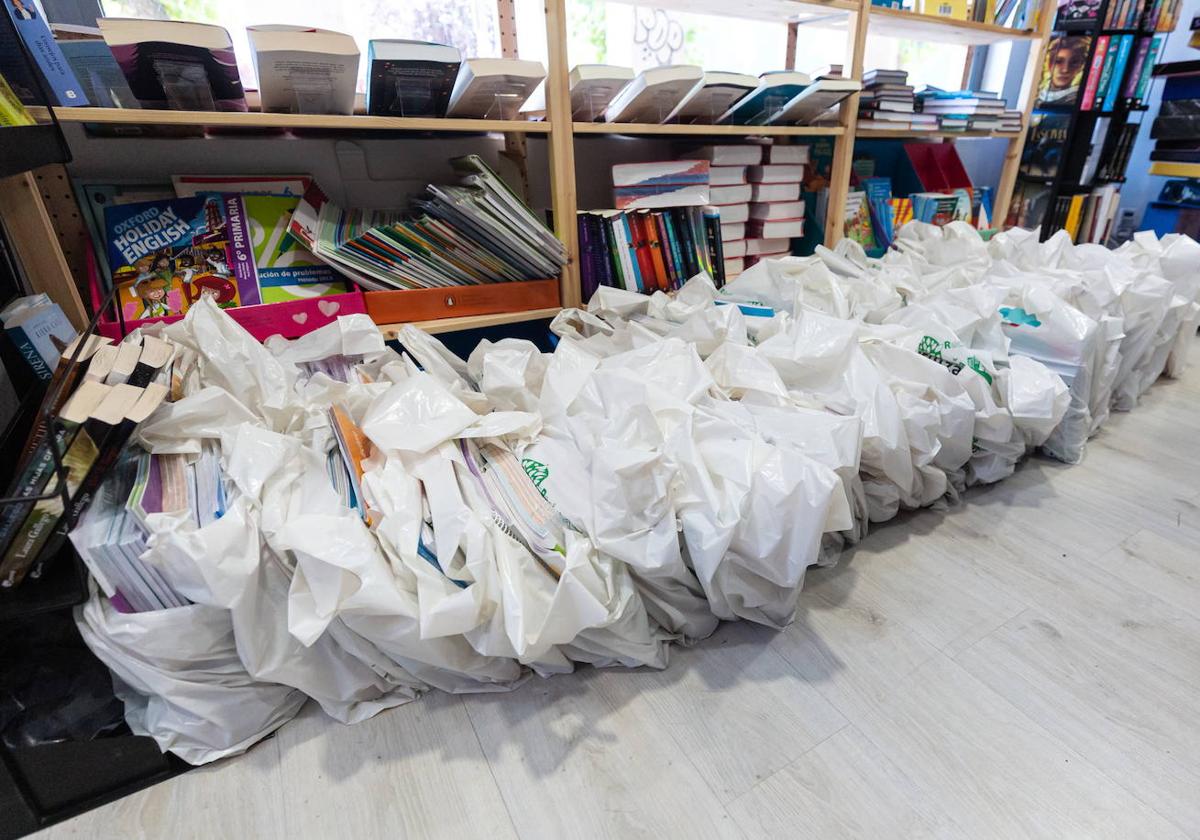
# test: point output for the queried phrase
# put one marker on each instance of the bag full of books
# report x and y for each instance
(182, 682)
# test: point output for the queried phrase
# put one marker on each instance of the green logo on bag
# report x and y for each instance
(974, 364)
(930, 347)
(537, 472)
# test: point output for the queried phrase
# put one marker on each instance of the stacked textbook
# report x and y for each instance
(887, 103)
(963, 110)
(776, 209)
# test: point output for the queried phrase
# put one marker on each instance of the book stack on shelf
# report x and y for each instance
(1176, 128)
(256, 242)
(730, 192)
(963, 110)
(887, 102)
(776, 209)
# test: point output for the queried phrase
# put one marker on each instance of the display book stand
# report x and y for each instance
(1082, 125)
(58, 238)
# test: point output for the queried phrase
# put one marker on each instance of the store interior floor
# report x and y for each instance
(1024, 665)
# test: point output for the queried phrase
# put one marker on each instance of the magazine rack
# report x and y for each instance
(58, 778)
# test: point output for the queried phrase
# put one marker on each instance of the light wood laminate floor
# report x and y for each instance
(1024, 665)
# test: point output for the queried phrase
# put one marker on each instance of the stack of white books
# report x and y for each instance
(776, 211)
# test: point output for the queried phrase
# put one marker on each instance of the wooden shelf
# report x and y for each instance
(710, 130)
(471, 322)
(254, 119)
(898, 23)
(775, 11)
(888, 133)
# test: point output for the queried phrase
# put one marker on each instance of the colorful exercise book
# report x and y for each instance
(165, 255)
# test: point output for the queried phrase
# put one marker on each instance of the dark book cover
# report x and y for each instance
(397, 88)
(1077, 12)
(1044, 149)
(181, 77)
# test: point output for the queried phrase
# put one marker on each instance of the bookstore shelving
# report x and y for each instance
(858, 19)
(1083, 131)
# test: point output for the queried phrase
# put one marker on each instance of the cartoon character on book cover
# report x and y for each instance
(166, 255)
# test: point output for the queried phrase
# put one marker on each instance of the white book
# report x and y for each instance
(713, 98)
(775, 173)
(734, 213)
(789, 191)
(730, 155)
(732, 231)
(757, 246)
(736, 248)
(786, 154)
(654, 94)
(593, 87)
(722, 176)
(733, 267)
(777, 210)
(813, 101)
(732, 194)
(302, 70)
(779, 229)
(494, 88)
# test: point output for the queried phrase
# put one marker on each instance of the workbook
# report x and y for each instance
(165, 255)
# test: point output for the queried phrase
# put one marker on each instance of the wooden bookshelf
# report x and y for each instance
(255, 119)
(710, 130)
(853, 20)
(775, 11)
(901, 133)
(471, 322)
(899, 23)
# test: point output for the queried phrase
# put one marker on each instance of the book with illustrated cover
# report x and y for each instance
(165, 255)
(1046, 145)
(285, 269)
(1063, 69)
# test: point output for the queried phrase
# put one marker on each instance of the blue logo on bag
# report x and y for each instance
(1015, 316)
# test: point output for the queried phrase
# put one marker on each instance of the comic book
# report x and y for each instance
(165, 255)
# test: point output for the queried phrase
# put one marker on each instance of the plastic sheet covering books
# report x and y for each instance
(330, 518)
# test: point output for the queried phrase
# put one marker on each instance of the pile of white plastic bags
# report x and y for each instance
(675, 461)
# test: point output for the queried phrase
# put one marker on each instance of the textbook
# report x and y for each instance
(654, 94)
(284, 268)
(494, 88)
(716, 94)
(98, 73)
(410, 78)
(176, 65)
(814, 101)
(302, 70)
(29, 21)
(593, 87)
(39, 330)
(774, 91)
(165, 255)
(746, 154)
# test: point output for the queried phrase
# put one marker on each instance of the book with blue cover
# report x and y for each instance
(775, 90)
(31, 27)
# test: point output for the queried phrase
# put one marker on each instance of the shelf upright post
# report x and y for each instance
(31, 234)
(516, 150)
(843, 148)
(1012, 157)
(562, 148)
